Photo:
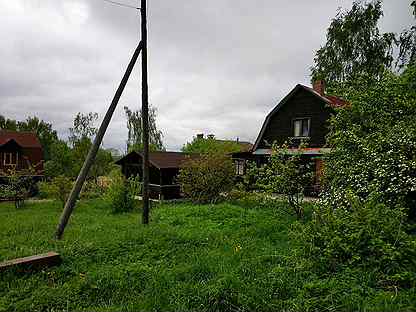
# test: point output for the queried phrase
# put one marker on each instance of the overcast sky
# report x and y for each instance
(215, 66)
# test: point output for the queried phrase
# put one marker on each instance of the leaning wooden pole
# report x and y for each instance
(76, 189)
(145, 115)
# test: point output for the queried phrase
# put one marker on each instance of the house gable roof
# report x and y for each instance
(161, 160)
(24, 139)
(330, 100)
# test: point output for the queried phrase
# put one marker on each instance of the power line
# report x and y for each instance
(122, 4)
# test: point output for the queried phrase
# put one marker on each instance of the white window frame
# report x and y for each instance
(301, 134)
(8, 159)
(239, 166)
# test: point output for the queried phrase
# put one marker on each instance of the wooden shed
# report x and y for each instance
(20, 151)
(163, 170)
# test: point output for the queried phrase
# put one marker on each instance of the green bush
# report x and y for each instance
(368, 235)
(6, 191)
(121, 192)
(91, 189)
(58, 189)
(286, 173)
(252, 199)
(45, 190)
(374, 141)
(17, 186)
(204, 179)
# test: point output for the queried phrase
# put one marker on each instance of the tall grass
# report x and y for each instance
(208, 257)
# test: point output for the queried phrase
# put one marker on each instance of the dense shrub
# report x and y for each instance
(91, 189)
(121, 192)
(6, 191)
(204, 179)
(17, 185)
(367, 236)
(45, 190)
(250, 199)
(374, 141)
(286, 173)
(59, 189)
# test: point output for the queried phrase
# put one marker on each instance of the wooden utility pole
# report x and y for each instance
(76, 189)
(145, 115)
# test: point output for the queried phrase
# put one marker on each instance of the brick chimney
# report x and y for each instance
(319, 86)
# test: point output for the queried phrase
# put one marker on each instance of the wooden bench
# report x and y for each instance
(33, 262)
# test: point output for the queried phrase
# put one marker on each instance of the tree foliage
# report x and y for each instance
(67, 159)
(211, 145)
(121, 192)
(83, 128)
(354, 45)
(368, 237)
(362, 221)
(8, 124)
(59, 188)
(17, 185)
(286, 173)
(407, 44)
(205, 178)
(374, 140)
(135, 130)
(61, 160)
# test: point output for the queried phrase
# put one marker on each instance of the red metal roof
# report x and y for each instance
(24, 139)
(160, 159)
(332, 100)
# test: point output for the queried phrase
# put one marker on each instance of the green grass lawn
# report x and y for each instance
(209, 257)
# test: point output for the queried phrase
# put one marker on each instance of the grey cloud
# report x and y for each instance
(214, 66)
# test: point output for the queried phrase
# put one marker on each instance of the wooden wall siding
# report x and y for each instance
(26, 157)
(302, 104)
(168, 176)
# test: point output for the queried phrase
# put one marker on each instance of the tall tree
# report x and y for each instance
(407, 44)
(81, 135)
(61, 160)
(83, 128)
(7, 124)
(354, 45)
(134, 126)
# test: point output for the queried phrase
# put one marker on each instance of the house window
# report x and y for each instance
(239, 166)
(9, 159)
(301, 127)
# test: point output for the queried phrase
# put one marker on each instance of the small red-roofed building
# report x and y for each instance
(20, 151)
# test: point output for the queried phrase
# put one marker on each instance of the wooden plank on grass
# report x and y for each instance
(33, 262)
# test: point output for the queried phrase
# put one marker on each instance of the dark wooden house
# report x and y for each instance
(301, 116)
(163, 170)
(20, 151)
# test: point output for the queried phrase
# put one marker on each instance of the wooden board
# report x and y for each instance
(33, 262)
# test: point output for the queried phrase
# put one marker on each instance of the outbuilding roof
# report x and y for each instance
(24, 139)
(160, 160)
